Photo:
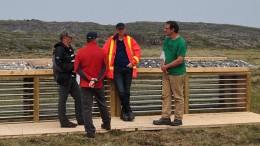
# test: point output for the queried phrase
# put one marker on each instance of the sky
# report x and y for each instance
(237, 12)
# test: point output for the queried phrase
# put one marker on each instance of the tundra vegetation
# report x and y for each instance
(35, 39)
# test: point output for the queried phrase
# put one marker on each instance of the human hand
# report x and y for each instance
(92, 82)
(165, 69)
(130, 65)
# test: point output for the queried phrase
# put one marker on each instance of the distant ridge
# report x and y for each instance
(26, 35)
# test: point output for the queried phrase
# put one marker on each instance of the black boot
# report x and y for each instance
(123, 115)
(162, 121)
(106, 126)
(130, 114)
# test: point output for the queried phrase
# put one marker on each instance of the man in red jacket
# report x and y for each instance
(91, 64)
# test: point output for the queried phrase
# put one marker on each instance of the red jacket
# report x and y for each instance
(132, 49)
(91, 62)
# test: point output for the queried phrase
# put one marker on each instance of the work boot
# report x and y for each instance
(130, 114)
(123, 115)
(106, 126)
(80, 122)
(162, 121)
(176, 122)
(68, 124)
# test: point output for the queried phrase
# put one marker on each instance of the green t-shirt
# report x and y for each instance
(172, 50)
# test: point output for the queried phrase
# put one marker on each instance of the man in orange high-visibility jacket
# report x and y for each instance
(123, 56)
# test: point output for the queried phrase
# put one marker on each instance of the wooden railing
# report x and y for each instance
(32, 95)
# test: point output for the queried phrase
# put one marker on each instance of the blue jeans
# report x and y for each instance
(123, 79)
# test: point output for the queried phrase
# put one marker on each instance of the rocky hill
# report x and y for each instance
(39, 36)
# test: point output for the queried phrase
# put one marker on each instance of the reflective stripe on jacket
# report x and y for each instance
(132, 49)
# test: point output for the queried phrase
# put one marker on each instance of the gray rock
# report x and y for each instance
(155, 63)
(144, 63)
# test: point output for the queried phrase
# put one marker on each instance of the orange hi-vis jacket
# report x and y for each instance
(132, 49)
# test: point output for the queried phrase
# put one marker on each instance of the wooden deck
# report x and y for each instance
(8, 130)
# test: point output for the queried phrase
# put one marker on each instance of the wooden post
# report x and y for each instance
(113, 98)
(186, 94)
(118, 104)
(248, 90)
(36, 97)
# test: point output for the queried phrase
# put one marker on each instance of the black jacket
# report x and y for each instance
(63, 63)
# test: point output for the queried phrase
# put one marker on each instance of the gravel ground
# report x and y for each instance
(145, 63)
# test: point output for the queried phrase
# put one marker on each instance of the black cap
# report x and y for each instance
(91, 35)
(120, 25)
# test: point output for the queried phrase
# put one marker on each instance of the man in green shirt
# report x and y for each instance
(174, 71)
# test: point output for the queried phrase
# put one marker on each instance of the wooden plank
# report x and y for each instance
(36, 101)
(198, 70)
(113, 98)
(118, 103)
(149, 70)
(26, 72)
(210, 70)
(205, 58)
(45, 61)
(194, 58)
(186, 94)
(20, 129)
(248, 90)
(140, 70)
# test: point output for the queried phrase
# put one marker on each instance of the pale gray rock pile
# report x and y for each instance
(144, 63)
(155, 63)
(218, 64)
(149, 63)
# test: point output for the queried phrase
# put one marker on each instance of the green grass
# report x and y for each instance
(227, 135)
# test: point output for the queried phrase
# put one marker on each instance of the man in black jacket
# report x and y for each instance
(63, 66)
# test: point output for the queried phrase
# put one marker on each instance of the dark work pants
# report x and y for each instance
(87, 103)
(73, 89)
(123, 79)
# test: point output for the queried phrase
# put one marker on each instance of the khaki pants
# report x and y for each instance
(172, 85)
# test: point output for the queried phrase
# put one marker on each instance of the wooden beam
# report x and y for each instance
(45, 61)
(210, 70)
(198, 70)
(149, 70)
(186, 94)
(26, 72)
(194, 58)
(113, 98)
(140, 70)
(248, 90)
(205, 58)
(36, 101)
